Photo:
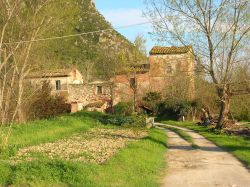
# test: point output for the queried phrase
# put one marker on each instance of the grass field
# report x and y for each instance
(138, 164)
(238, 146)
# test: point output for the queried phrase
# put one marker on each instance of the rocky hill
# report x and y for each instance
(94, 54)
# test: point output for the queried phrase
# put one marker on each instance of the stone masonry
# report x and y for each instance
(170, 71)
(88, 94)
(168, 67)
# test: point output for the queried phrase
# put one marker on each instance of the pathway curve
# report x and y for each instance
(208, 166)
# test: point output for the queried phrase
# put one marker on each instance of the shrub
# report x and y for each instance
(128, 121)
(46, 105)
(152, 100)
(173, 109)
(87, 114)
(152, 96)
(123, 108)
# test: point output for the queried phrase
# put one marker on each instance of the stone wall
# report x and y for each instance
(122, 88)
(87, 93)
(167, 73)
(73, 77)
(172, 70)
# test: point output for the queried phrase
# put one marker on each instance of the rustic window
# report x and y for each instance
(99, 90)
(169, 69)
(58, 85)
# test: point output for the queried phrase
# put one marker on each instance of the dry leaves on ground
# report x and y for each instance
(95, 146)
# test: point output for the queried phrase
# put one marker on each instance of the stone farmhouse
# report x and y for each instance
(165, 65)
(69, 84)
(59, 79)
(170, 69)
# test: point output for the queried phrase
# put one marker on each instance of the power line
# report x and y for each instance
(79, 34)
(103, 30)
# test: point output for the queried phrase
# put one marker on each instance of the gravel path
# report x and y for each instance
(208, 166)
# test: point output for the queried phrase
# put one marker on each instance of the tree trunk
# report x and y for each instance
(134, 102)
(224, 106)
(194, 114)
(112, 98)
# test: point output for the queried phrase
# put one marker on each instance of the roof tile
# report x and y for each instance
(51, 73)
(158, 50)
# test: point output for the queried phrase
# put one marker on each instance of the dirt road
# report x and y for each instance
(208, 166)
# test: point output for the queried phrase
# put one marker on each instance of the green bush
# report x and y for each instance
(152, 101)
(152, 96)
(118, 120)
(123, 108)
(45, 105)
(130, 121)
(173, 109)
(87, 114)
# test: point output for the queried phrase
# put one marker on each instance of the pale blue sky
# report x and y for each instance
(126, 12)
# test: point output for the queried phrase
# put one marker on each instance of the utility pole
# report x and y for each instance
(133, 84)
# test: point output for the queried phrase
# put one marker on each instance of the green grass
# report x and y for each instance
(42, 131)
(246, 124)
(237, 145)
(139, 164)
(183, 135)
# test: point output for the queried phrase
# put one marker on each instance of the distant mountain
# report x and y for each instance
(93, 54)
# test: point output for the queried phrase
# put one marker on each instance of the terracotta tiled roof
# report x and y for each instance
(51, 73)
(157, 50)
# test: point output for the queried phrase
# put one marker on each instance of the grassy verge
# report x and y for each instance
(183, 135)
(138, 164)
(238, 146)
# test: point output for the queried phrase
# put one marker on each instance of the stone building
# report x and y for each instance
(126, 85)
(170, 71)
(69, 84)
(59, 80)
(91, 96)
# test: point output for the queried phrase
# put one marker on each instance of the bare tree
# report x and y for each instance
(218, 30)
(132, 64)
(20, 24)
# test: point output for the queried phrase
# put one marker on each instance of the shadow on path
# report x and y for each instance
(180, 147)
